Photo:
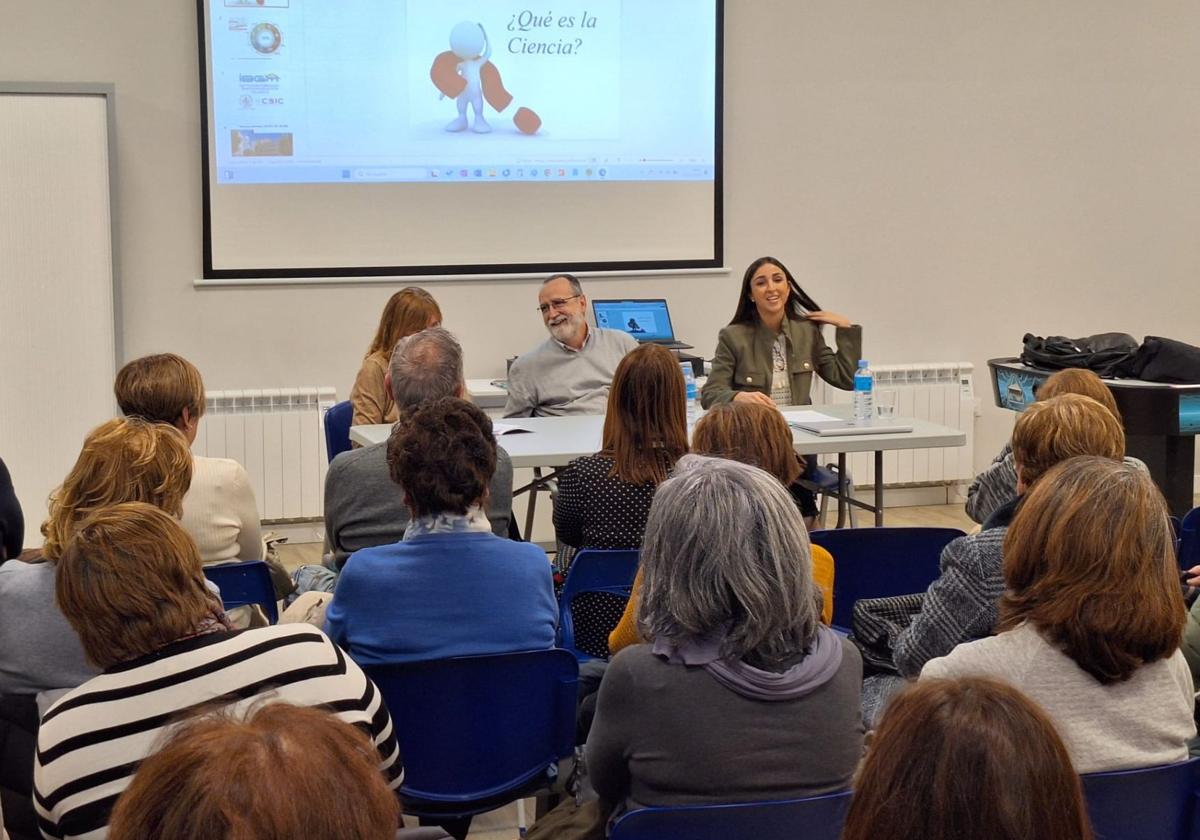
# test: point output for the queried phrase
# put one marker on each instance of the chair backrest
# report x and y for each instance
(337, 428)
(473, 728)
(247, 582)
(1154, 803)
(877, 562)
(1189, 539)
(594, 570)
(815, 818)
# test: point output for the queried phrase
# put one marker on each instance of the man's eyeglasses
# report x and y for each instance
(557, 303)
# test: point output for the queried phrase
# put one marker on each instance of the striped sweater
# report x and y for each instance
(92, 740)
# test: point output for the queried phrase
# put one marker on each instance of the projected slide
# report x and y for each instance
(354, 91)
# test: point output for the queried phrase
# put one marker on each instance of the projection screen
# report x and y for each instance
(348, 138)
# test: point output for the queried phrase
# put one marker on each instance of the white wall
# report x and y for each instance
(951, 174)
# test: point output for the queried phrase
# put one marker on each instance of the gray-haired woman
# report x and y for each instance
(741, 694)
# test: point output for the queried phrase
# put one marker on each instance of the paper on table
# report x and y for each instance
(807, 416)
(499, 429)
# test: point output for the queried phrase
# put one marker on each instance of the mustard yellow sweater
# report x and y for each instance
(625, 633)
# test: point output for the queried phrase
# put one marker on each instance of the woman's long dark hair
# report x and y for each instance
(799, 303)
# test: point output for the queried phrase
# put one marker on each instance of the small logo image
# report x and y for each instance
(521, 173)
(491, 173)
(547, 173)
(478, 173)
(246, 101)
(574, 173)
(266, 38)
(603, 172)
(562, 173)
(589, 171)
(506, 173)
(532, 173)
(462, 173)
(433, 173)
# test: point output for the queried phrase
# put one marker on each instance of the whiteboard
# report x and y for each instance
(58, 304)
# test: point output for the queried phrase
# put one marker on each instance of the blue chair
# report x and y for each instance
(478, 732)
(1154, 803)
(247, 582)
(1189, 539)
(877, 562)
(593, 570)
(815, 818)
(337, 428)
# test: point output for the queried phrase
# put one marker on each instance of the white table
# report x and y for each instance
(486, 395)
(552, 442)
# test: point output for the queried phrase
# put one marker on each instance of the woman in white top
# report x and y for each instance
(219, 510)
(1091, 623)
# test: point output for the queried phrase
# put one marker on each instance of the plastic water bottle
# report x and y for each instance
(689, 381)
(864, 386)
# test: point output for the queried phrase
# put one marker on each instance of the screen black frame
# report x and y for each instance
(449, 270)
(666, 311)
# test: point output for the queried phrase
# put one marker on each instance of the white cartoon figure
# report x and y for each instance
(470, 43)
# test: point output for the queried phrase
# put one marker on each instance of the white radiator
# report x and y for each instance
(278, 436)
(940, 392)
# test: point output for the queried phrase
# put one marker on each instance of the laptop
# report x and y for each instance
(832, 427)
(647, 320)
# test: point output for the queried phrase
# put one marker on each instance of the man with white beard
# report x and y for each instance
(570, 372)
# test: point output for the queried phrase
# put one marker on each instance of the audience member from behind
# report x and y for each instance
(122, 460)
(451, 587)
(737, 655)
(752, 434)
(280, 773)
(130, 582)
(12, 522)
(362, 506)
(996, 486)
(571, 371)
(962, 603)
(968, 758)
(1091, 621)
(603, 499)
(408, 311)
(219, 510)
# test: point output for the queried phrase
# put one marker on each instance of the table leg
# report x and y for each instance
(534, 486)
(841, 490)
(878, 488)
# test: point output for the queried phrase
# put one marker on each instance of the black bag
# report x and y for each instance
(1164, 360)
(1107, 353)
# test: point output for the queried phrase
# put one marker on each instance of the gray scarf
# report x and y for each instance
(817, 668)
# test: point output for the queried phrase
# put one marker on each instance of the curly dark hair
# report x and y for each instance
(443, 454)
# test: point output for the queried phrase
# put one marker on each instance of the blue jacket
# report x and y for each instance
(441, 595)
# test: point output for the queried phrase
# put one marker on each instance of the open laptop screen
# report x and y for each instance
(645, 320)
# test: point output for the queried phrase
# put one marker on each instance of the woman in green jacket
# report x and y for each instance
(771, 349)
(773, 345)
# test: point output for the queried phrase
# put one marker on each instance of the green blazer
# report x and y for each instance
(742, 361)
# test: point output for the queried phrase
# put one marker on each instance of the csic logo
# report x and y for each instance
(272, 100)
(259, 78)
(246, 101)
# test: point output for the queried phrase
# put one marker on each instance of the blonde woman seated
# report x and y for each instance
(123, 460)
(408, 311)
(219, 510)
(740, 694)
(752, 434)
(1091, 621)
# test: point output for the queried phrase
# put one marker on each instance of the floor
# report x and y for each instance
(502, 824)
